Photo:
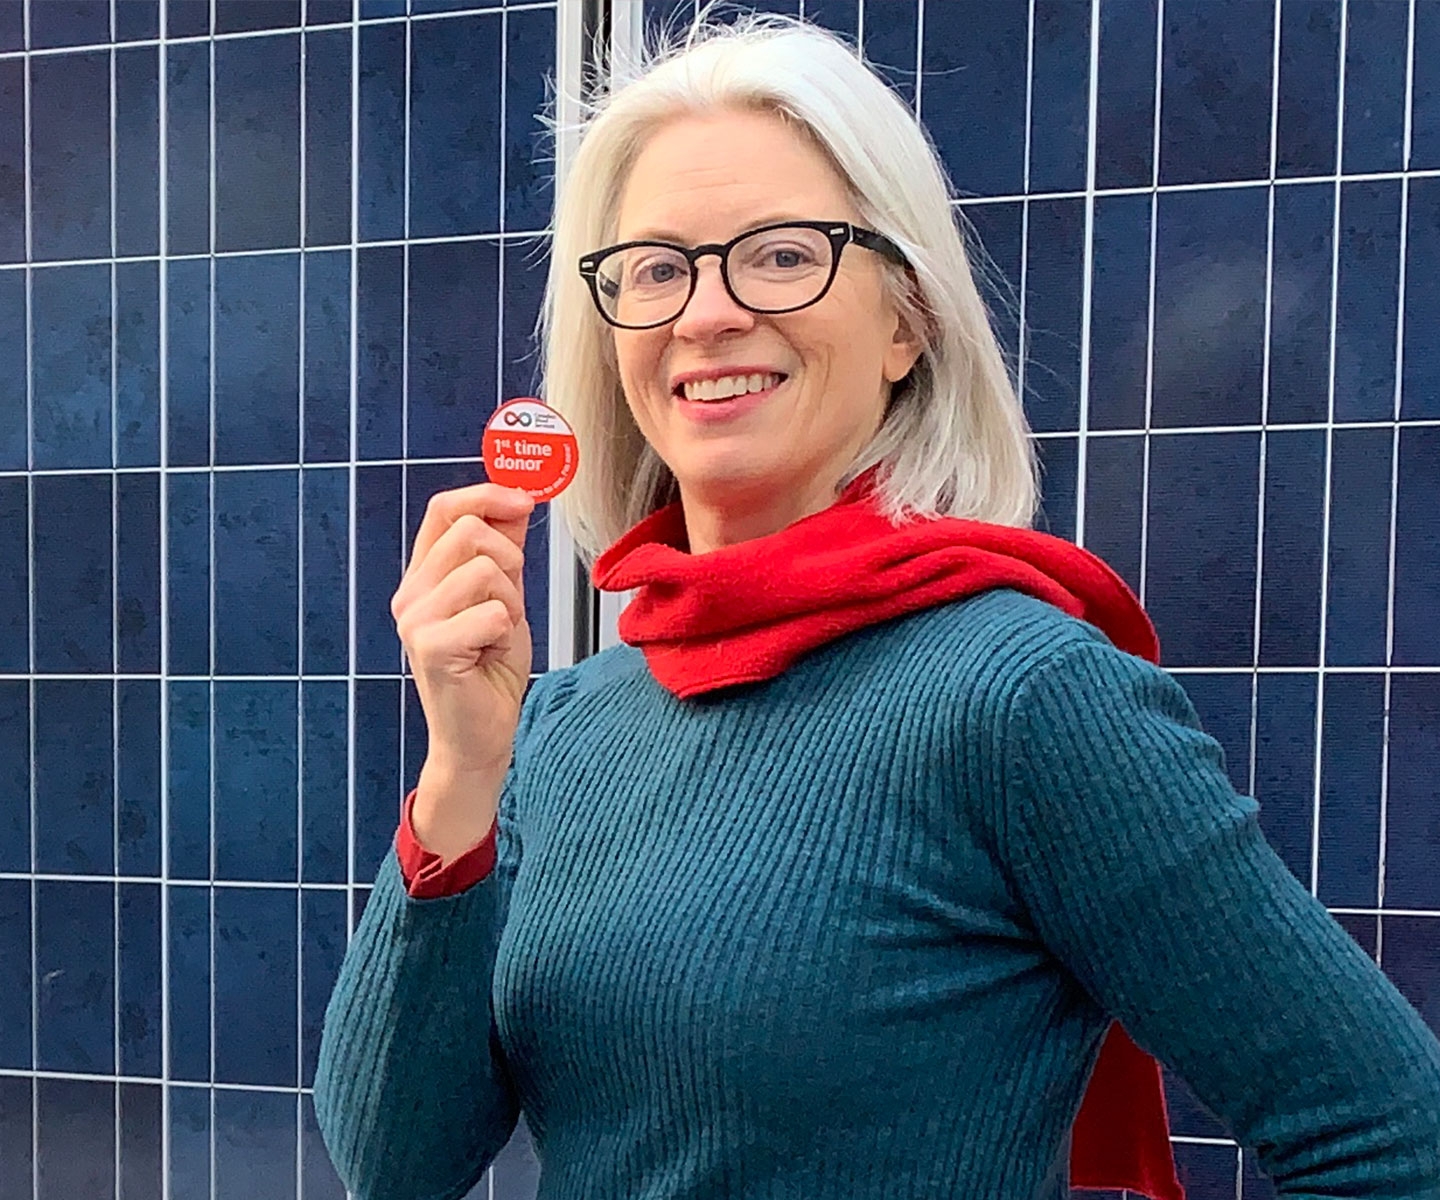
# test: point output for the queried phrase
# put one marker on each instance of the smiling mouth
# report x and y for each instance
(731, 387)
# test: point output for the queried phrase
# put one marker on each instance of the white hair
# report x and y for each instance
(954, 440)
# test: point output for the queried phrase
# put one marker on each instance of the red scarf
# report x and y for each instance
(746, 612)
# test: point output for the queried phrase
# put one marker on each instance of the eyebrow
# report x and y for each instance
(658, 234)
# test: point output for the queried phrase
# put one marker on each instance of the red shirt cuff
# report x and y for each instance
(426, 874)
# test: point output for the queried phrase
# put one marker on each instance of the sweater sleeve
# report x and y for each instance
(426, 875)
(412, 1095)
(1148, 876)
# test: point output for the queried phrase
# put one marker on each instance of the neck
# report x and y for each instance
(713, 521)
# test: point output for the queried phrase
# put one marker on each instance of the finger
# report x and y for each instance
(505, 509)
(468, 538)
(479, 580)
(474, 582)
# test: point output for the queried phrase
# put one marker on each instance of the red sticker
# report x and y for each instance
(528, 445)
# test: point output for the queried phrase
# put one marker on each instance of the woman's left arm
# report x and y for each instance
(1148, 876)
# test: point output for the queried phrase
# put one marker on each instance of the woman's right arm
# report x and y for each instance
(411, 1090)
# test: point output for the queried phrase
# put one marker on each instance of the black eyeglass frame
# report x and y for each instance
(840, 233)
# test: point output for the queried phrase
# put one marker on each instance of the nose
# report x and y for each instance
(711, 310)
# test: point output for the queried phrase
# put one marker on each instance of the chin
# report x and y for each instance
(736, 474)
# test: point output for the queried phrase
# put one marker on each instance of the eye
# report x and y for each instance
(654, 271)
(778, 256)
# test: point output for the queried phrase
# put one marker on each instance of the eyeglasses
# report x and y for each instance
(774, 269)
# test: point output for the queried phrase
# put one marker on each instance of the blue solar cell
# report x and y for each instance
(70, 359)
(1216, 90)
(256, 987)
(257, 359)
(70, 155)
(1054, 304)
(327, 136)
(1308, 88)
(1059, 467)
(60, 23)
(75, 1004)
(1351, 772)
(1358, 543)
(140, 987)
(1200, 576)
(72, 569)
(256, 781)
(1376, 38)
(1420, 396)
(257, 142)
(137, 148)
(137, 364)
(1417, 548)
(1290, 602)
(74, 779)
(75, 1138)
(1120, 312)
(1125, 95)
(137, 779)
(1369, 296)
(15, 994)
(455, 127)
(142, 1171)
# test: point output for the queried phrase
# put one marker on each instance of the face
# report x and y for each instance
(824, 372)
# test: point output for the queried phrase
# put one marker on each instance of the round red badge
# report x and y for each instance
(528, 445)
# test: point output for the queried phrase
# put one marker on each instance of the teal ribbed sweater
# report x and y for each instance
(856, 933)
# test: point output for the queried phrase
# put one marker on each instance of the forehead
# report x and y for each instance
(702, 178)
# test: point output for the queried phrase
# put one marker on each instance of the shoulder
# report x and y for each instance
(552, 692)
(1001, 638)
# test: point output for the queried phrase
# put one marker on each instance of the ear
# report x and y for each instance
(903, 351)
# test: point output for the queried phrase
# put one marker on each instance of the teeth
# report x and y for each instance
(730, 385)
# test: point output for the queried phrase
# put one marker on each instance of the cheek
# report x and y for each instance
(637, 359)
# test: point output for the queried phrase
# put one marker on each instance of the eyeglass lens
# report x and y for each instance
(769, 271)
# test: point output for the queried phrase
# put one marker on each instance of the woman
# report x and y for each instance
(832, 882)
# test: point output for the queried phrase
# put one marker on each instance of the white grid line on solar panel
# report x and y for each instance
(1087, 273)
(300, 590)
(86, 1077)
(114, 599)
(210, 588)
(351, 572)
(499, 352)
(308, 885)
(279, 31)
(1150, 275)
(153, 677)
(107, 878)
(1330, 375)
(920, 53)
(441, 460)
(1207, 186)
(264, 885)
(1273, 427)
(1267, 320)
(30, 622)
(163, 297)
(270, 251)
(1391, 561)
(362, 677)
(399, 648)
(1022, 333)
